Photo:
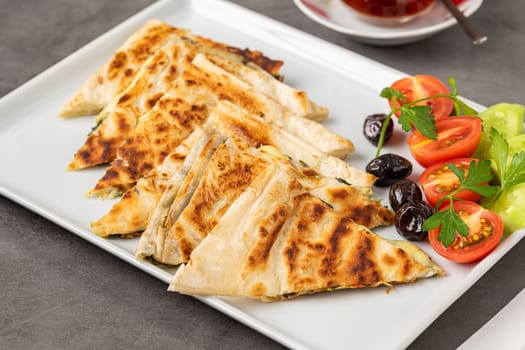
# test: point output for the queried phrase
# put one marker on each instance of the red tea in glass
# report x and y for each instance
(396, 10)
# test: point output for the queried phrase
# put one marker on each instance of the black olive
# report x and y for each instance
(372, 128)
(389, 168)
(410, 218)
(402, 192)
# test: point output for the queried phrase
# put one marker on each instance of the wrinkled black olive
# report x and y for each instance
(372, 128)
(389, 168)
(402, 192)
(409, 220)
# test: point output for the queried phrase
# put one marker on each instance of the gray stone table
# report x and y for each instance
(59, 292)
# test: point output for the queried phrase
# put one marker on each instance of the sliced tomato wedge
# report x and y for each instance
(420, 86)
(457, 137)
(438, 181)
(485, 230)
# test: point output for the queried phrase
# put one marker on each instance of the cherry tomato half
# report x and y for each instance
(485, 231)
(438, 181)
(420, 86)
(457, 137)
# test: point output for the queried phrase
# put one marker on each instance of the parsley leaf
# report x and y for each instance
(390, 94)
(478, 174)
(516, 171)
(460, 173)
(422, 119)
(450, 223)
(499, 152)
(509, 174)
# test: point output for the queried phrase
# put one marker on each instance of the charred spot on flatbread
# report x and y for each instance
(257, 57)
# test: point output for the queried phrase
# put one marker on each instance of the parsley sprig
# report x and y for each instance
(411, 113)
(475, 180)
(509, 174)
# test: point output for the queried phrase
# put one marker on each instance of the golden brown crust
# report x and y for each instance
(120, 117)
(295, 100)
(176, 198)
(221, 186)
(292, 243)
(248, 130)
(156, 135)
(228, 174)
(352, 202)
(344, 255)
(132, 213)
(177, 113)
(119, 71)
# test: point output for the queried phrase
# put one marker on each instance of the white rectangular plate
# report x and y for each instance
(36, 146)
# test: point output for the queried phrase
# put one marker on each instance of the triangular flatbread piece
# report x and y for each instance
(117, 74)
(120, 115)
(344, 198)
(198, 89)
(296, 101)
(177, 195)
(275, 111)
(132, 213)
(154, 77)
(229, 173)
(226, 176)
(245, 128)
(278, 241)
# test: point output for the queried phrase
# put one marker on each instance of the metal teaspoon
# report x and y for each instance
(477, 38)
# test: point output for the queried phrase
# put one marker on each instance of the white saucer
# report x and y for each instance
(339, 17)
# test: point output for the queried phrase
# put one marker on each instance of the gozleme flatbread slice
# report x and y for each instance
(177, 195)
(226, 176)
(187, 105)
(132, 213)
(277, 241)
(157, 76)
(245, 128)
(156, 134)
(350, 201)
(256, 76)
(274, 112)
(117, 74)
(120, 116)
(296, 101)
(231, 172)
(344, 198)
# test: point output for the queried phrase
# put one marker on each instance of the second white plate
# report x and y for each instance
(337, 16)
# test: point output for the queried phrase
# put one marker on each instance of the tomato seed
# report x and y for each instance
(484, 232)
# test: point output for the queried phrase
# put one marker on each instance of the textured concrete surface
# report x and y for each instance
(58, 292)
